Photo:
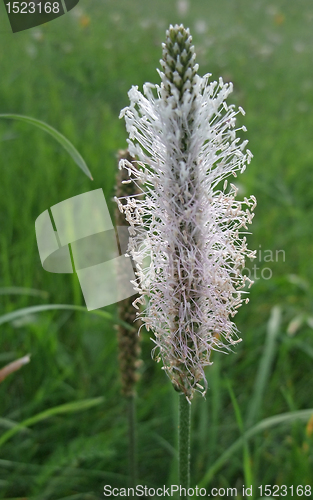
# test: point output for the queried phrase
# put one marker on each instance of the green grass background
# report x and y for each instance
(74, 73)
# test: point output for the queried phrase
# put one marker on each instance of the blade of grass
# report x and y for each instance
(8, 424)
(265, 366)
(132, 440)
(19, 290)
(267, 423)
(173, 468)
(36, 468)
(216, 404)
(246, 454)
(56, 410)
(5, 318)
(65, 143)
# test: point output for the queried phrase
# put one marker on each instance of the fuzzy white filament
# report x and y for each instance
(187, 221)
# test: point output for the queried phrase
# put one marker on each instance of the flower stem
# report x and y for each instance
(184, 443)
(132, 452)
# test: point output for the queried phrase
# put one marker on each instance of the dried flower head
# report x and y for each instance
(187, 220)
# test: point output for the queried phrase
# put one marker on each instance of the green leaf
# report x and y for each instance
(84, 404)
(67, 145)
(246, 452)
(283, 418)
(265, 365)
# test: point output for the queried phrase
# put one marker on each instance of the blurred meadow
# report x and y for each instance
(74, 73)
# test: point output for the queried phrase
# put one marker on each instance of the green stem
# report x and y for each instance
(184, 444)
(132, 451)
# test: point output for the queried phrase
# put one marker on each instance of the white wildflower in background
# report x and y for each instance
(187, 221)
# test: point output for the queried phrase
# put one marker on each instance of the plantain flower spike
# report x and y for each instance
(128, 340)
(187, 228)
